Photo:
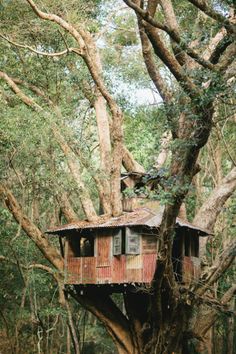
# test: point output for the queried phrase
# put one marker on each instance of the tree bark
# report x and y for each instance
(49, 251)
(209, 211)
(66, 208)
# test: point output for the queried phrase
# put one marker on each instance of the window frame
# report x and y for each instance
(131, 233)
(117, 236)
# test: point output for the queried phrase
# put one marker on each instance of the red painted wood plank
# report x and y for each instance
(133, 275)
(188, 270)
(73, 270)
(118, 269)
(104, 275)
(88, 270)
(149, 265)
(196, 267)
(103, 251)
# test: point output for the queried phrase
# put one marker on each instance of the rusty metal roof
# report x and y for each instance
(139, 217)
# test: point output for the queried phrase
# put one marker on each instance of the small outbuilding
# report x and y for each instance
(123, 250)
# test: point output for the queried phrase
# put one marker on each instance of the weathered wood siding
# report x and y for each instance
(104, 245)
(73, 271)
(105, 268)
(104, 275)
(134, 266)
(149, 265)
(88, 270)
(122, 269)
(118, 269)
(191, 269)
(149, 244)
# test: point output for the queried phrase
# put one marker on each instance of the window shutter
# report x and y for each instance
(132, 242)
(117, 241)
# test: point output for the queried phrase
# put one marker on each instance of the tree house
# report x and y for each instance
(123, 250)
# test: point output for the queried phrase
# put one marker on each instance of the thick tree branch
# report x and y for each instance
(207, 318)
(66, 208)
(174, 35)
(172, 23)
(217, 270)
(219, 47)
(209, 211)
(61, 22)
(146, 16)
(102, 306)
(129, 163)
(151, 65)
(227, 58)
(169, 60)
(26, 99)
(49, 251)
(204, 6)
(164, 150)
(90, 55)
(74, 167)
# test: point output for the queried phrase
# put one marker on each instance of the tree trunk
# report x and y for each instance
(209, 211)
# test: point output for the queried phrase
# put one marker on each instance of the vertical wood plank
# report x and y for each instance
(73, 272)
(134, 262)
(104, 244)
(118, 269)
(134, 275)
(196, 267)
(149, 266)
(188, 270)
(104, 275)
(88, 270)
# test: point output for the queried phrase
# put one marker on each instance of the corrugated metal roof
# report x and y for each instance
(138, 217)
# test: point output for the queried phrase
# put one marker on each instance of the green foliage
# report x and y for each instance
(139, 128)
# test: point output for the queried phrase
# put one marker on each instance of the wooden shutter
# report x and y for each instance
(117, 243)
(132, 242)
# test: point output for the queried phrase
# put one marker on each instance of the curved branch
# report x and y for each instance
(47, 54)
(49, 251)
(217, 270)
(169, 60)
(204, 7)
(174, 35)
(170, 17)
(206, 319)
(147, 17)
(102, 306)
(61, 22)
(209, 211)
(129, 163)
(151, 65)
(66, 208)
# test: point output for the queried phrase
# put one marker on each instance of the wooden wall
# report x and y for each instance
(190, 269)
(104, 268)
(122, 269)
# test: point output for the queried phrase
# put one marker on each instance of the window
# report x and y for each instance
(86, 247)
(126, 241)
(80, 246)
(132, 242)
(117, 243)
